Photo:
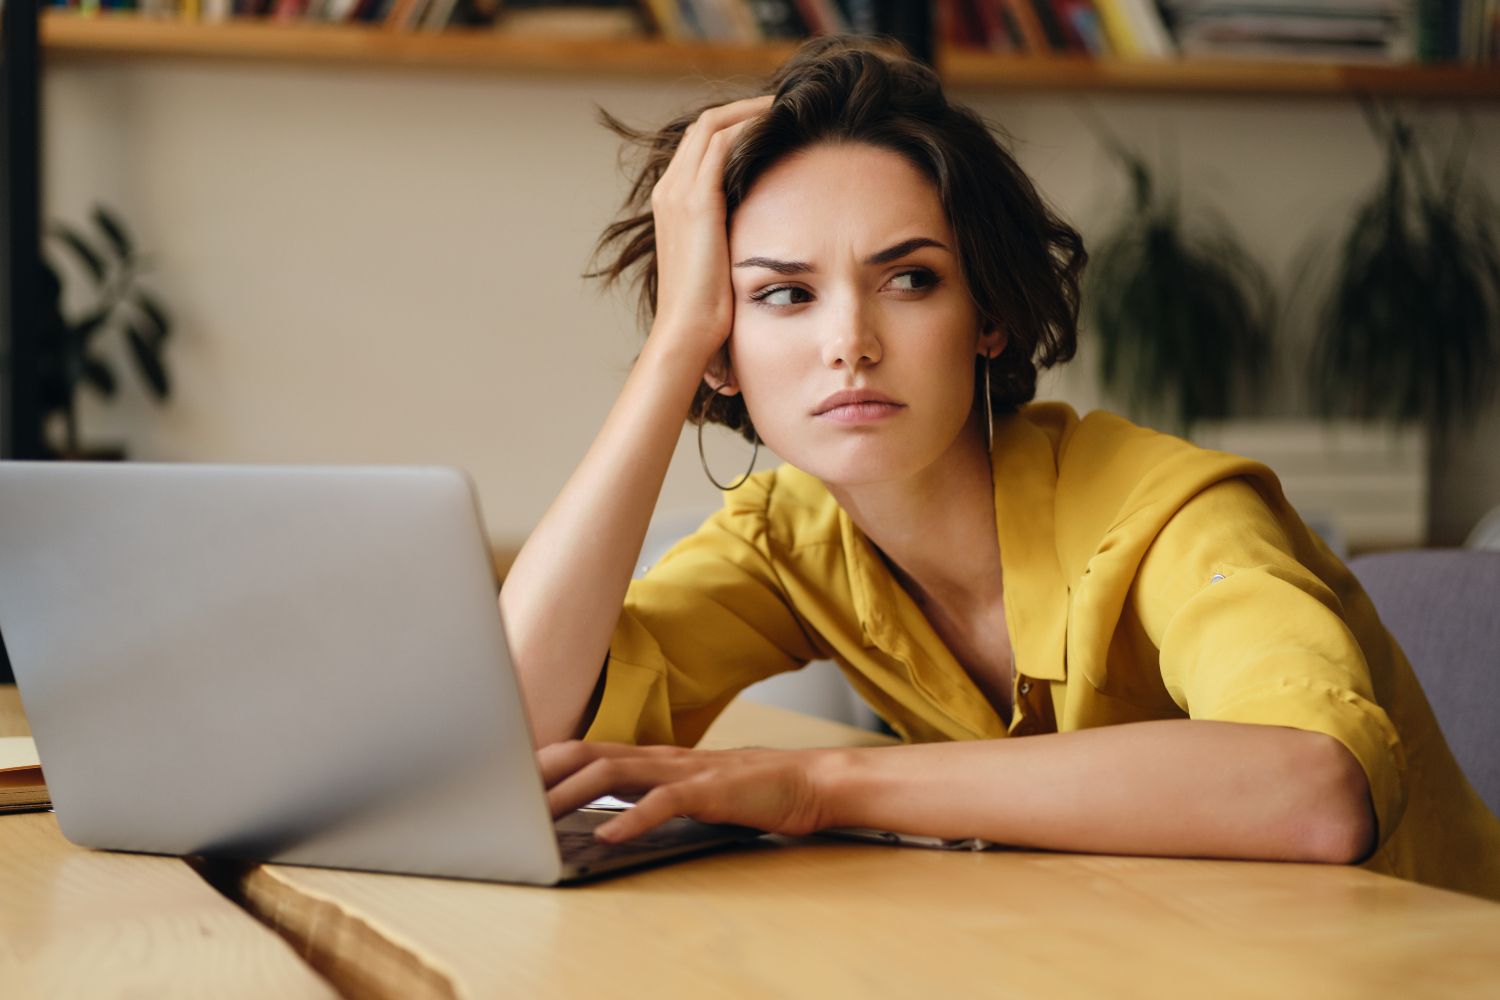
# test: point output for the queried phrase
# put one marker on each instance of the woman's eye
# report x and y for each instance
(781, 295)
(918, 280)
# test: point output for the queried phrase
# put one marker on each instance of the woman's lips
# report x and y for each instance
(865, 412)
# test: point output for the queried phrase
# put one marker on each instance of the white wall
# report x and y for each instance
(384, 267)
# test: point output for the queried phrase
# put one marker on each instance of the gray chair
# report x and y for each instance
(1443, 607)
(1486, 534)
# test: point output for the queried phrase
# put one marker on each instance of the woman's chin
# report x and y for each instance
(858, 463)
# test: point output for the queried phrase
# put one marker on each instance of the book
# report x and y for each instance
(1117, 28)
(822, 17)
(1080, 25)
(1149, 29)
(778, 19)
(21, 783)
(667, 19)
(997, 28)
(746, 27)
(1033, 34)
(575, 22)
(958, 24)
(1325, 30)
(718, 21)
(1057, 39)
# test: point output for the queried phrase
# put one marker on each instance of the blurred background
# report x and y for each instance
(354, 231)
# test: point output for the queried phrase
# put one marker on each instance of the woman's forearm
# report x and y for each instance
(562, 596)
(1184, 788)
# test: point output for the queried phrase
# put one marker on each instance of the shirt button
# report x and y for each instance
(1025, 687)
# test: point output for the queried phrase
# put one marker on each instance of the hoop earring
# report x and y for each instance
(989, 410)
(704, 458)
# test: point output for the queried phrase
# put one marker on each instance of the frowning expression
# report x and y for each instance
(855, 333)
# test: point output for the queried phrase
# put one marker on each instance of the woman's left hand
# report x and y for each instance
(771, 790)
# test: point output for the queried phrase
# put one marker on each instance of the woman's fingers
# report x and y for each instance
(695, 289)
(681, 798)
(716, 154)
(615, 774)
(558, 760)
(698, 135)
(767, 789)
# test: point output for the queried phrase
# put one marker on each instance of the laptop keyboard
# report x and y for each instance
(575, 837)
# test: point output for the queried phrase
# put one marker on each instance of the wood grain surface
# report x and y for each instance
(821, 918)
(12, 718)
(82, 923)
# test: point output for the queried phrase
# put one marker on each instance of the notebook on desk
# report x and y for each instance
(300, 665)
(21, 784)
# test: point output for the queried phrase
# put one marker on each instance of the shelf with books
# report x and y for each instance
(70, 36)
(67, 36)
(979, 70)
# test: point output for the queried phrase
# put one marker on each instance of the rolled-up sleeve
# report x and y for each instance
(707, 620)
(1247, 633)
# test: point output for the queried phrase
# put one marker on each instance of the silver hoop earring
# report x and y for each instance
(704, 458)
(989, 410)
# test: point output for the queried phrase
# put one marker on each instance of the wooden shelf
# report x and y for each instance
(68, 37)
(981, 70)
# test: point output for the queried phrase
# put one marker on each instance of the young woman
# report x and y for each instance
(854, 272)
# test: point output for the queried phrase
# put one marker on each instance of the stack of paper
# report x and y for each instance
(21, 784)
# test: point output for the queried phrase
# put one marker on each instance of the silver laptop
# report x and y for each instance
(303, 665)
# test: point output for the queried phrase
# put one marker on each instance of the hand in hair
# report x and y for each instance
(695, 298)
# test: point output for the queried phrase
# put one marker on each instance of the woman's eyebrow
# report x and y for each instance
(881, 257)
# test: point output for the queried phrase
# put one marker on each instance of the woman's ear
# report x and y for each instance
(720, 375)
(992, 343)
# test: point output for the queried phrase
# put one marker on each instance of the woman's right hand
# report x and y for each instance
(694, 294)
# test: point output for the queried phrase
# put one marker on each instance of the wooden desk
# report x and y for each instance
(819, 918)
(811, 917)
(85, 923)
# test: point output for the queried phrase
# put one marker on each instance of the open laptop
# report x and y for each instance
(303, 665)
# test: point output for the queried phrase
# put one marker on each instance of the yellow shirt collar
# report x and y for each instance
(1036, 595)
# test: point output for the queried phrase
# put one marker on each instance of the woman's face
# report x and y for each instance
(854, 332)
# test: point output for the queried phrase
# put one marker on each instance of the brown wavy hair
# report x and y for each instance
(1023, 263)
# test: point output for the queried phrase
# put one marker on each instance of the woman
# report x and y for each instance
(854, 272)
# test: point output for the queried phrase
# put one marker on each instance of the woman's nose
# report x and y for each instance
(851, 341)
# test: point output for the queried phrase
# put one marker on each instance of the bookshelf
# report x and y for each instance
(68, 37)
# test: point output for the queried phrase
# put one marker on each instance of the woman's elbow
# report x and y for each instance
(1346, 829)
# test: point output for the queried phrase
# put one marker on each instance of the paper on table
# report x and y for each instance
(17, 752)
(21, 783)
(610, 803)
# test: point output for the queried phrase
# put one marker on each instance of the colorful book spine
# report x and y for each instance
(1032, 34)
(1117, 28)
(997, 35)
(666, 18)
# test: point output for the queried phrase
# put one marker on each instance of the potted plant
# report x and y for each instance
(1185, 319)
(69, 357)
(1408, 329)
(1181, 312)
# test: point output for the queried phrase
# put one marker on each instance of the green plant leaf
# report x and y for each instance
(157, 324)
(149, 363)
(1410, 322)
(1181, 312)
(113, 230)
(91, 261)
(50, 285)
(97, 374)
(86, 329)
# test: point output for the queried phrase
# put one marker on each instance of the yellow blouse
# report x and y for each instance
(1145, 578)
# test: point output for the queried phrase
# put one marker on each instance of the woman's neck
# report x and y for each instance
(937, 528)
